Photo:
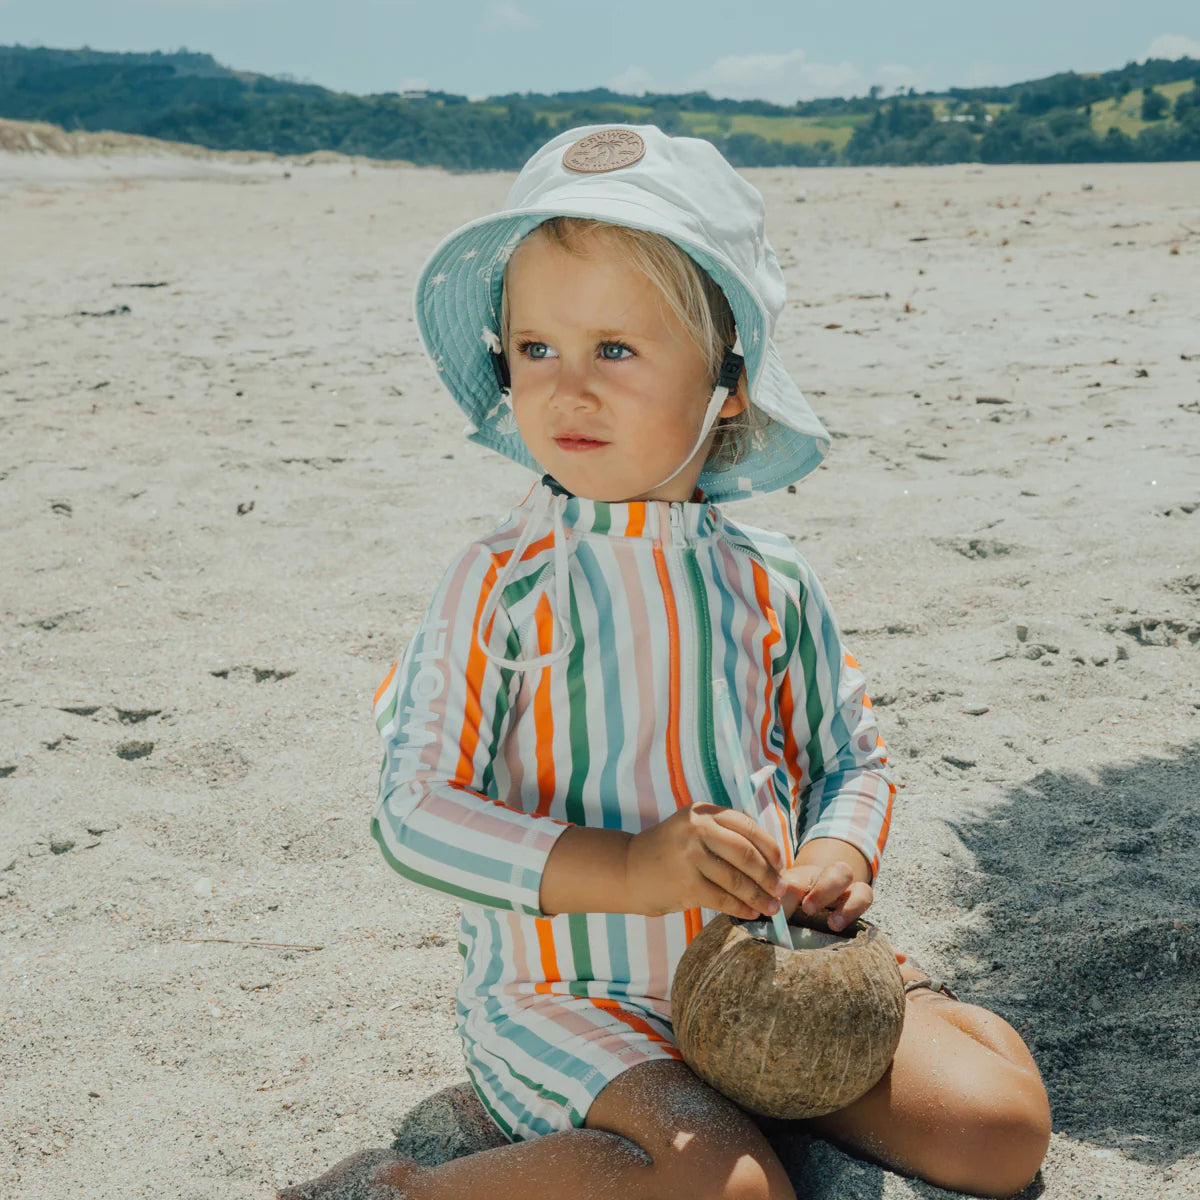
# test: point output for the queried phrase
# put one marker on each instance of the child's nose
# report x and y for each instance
(573, 387)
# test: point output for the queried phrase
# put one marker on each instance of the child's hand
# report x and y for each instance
(812, 887)
(705, 856)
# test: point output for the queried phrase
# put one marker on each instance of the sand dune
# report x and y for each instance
(229, 480)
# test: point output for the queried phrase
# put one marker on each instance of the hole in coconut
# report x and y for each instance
(812, 939)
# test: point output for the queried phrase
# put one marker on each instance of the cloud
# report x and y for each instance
(782, 78)
(1172, 46)
(633, 81)
(506, 15)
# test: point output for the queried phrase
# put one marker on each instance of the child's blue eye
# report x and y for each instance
(534, 349)
(624, 351)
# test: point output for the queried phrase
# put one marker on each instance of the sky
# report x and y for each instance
(779, 50)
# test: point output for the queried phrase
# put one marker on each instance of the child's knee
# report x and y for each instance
(1001, 1144)
(700, 1145)
(717, 1167)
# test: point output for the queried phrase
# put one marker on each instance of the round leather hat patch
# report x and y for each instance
(605, 150)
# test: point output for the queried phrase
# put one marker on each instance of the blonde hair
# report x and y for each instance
(690, 293)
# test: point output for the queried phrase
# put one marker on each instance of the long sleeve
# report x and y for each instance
(835, 755)
(442, 713)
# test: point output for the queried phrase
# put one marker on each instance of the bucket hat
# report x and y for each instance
(634, 175)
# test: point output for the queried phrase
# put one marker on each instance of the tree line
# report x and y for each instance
(188, 97)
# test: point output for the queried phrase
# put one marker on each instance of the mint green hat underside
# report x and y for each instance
(681, 188)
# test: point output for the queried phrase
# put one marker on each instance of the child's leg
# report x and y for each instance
(654, 1131)
(962, 1104)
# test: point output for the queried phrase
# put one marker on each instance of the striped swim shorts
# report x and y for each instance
(538, 1062)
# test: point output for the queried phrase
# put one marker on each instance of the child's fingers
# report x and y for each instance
(745, 825)
(856, 902)
(837, 889)
(754, 856)
(731, 863)
(828, 887)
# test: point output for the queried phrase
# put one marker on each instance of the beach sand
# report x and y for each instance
(230, 479)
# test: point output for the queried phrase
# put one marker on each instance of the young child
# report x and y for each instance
(553, 749)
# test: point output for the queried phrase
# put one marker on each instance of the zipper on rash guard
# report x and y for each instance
(701, 688)
(693, 919)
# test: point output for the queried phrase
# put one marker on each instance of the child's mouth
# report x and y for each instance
(573, 442)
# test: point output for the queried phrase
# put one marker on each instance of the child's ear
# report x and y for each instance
(736, 401)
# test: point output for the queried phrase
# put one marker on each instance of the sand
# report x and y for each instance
(223, 508)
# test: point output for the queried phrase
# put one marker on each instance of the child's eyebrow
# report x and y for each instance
(599, 334)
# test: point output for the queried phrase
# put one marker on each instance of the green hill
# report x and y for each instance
(1142, 111)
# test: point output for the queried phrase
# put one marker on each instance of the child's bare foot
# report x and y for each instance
(367, 1175)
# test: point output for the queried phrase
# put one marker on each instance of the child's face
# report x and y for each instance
(608, 389)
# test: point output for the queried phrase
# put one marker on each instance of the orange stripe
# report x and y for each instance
(691, 917)
(884, 827)
(851, 661)
(549, 958)
(533, 548)
(468, 739)
(763, 596)
(543, 714)
(637, 520)
(383, 687)
(791, 748)
(634, 1022)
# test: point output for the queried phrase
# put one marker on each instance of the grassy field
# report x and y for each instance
(1125, 114)
(806, 130)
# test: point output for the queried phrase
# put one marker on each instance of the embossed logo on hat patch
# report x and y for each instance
(605, 150)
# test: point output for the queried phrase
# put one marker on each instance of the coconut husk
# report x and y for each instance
(785, 1032)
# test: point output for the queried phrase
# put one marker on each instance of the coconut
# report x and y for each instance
(788, 1032)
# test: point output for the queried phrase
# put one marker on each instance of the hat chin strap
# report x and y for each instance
(727, 382)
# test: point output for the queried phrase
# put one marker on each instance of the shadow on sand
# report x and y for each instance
(1089, 892)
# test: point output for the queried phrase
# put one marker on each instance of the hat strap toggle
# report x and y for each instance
(499, 363)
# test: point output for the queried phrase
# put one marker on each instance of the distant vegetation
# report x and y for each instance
(1144, 111)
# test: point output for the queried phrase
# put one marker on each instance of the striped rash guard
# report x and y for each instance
(485, 765)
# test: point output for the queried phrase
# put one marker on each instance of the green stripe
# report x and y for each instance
(708, 738)
(516, 592)
(791, 631)
(575, 811)
(581, 952)
(540, 1089)
(812, 695)
(389, 712)
(431, 881)
(512, 649)
(603, 519)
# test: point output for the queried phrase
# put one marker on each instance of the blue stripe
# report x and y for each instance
(437, 852)
(614, 724)
(618, 948)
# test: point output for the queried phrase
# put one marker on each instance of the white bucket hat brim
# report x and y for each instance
(680, 188)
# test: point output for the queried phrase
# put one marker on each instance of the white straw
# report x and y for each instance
(747, 788)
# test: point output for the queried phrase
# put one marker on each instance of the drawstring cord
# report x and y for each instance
(562, 587)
